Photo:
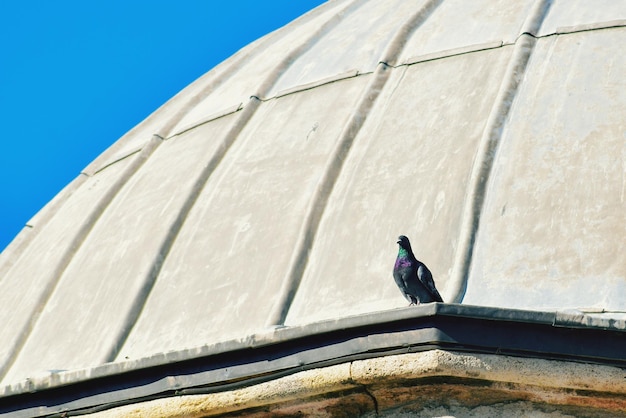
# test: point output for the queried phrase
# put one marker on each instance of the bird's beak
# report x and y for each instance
(398, 242)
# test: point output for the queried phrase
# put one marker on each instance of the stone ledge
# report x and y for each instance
(457, 383)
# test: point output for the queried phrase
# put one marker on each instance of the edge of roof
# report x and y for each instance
(282, 351)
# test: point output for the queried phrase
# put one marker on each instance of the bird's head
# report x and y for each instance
(404, 242)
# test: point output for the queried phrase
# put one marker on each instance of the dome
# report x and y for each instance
(269, 193)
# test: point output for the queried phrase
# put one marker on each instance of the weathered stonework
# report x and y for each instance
(425, 384)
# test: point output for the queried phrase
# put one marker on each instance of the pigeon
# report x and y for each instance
(413, 277)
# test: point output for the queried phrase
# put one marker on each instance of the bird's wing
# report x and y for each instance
(427, 279)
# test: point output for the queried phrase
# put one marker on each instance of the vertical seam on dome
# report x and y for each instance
(73, 247)
(167, 129)
(278, 71)
(166, 245)
(317, 205)
(487, 148)
(228, 140)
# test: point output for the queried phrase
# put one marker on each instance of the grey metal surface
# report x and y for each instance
(250, 225)
(271, 191)
(554, 229)
(394, 165)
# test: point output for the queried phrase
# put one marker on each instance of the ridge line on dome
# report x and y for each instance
(296, 89)
(141, 297)
(132, 152)
(217, 115)
(317, 83)
(609, 24)
(332, 171)
(431, 56)
(566, 30)
(487, 149)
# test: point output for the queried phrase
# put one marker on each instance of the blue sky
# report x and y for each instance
(76, 75)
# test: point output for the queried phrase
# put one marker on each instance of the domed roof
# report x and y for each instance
(271, 191)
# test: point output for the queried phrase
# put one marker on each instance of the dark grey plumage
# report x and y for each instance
(413, 277)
